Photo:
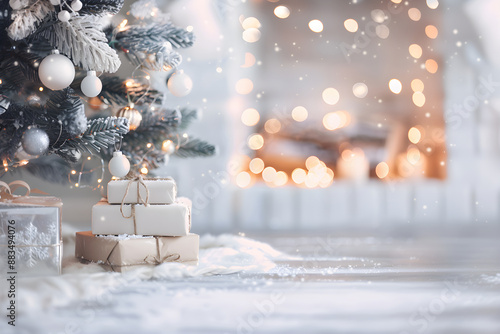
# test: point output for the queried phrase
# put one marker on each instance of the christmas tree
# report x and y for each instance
(57, 59)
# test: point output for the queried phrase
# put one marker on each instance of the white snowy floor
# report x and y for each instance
(337, 283)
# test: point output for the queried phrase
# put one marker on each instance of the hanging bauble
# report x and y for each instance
(76, 5)
(180, 84)
(18, 4)
(55, 2)
(91, 85)
(64, 16)
(119, 165)
(35, 141)
(133, 115)
(168, 146)
(56, 71)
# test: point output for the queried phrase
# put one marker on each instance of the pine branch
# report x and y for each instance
(188, 116)
(195, 148)
(81, 40)
(101, 133)
(145, 38)
(100, 7)
(25, 21)
(114, 90)
(16, 68)
(50, 169)
(157, 59)
(69, 110)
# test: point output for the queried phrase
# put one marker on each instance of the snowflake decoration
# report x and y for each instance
(32, 237)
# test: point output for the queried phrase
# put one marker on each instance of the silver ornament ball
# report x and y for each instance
(35, 141)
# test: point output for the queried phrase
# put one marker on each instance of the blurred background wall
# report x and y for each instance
(383, 114)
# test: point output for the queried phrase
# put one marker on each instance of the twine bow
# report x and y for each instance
(158, 259)
(140, 181)
(8, 189)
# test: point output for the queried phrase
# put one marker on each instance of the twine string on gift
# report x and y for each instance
(158, 259)
(140, 181)
(6, 190)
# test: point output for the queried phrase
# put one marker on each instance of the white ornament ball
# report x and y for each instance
(35, 141)
(55, 2)
(76, 5)
(91, 85)
(180, 84)
(64, 16)
(119, 165)
(56, 71)
(16, 4)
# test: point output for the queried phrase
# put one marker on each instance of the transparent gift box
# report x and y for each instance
(33, 233)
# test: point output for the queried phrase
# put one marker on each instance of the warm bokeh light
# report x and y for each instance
(413, 155)
(282, 12)
(418, 99)
(244, 86)
(331, 96)
(395, 86)
(414, 135)
(312, 180)
(256, 165)
(312, 162)
(269, 174)
(417, 85)
(432, 4)
(251, 35)
(382, 31)
(360, 90)
(414, 14)
(251, 22)
(281, 179)
(382, 170)
(249, 61)
(272, 126)
(316, 25)
(431, 31)
(431, 66)
(250, 117)
(378, 15)
(299, 175)
(299, 114)
(351, 25)
(415, 51)
(336, 120)
(255, 142)
(243, 179)
(396, 1)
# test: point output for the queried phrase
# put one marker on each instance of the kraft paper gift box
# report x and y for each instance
(120, 253)
(157, 191)
(154, 219)
(30, 231)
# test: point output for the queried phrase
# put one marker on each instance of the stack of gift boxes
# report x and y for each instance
(142, 222)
